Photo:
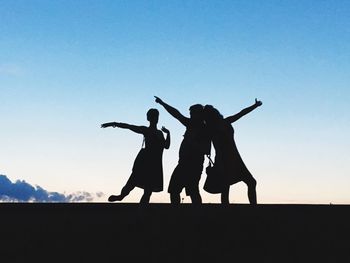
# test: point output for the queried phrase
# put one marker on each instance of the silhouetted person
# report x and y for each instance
(147, 171)
(193, 148)
(227, 158)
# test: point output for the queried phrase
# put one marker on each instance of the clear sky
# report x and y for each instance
(68, 66)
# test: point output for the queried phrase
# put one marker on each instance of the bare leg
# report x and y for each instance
(175, 198)
(251, 183)
(146, 197)
(225, 196)
(196, 197)
(125, 191)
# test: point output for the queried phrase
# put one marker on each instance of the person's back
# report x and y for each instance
(223, 141)
(195, 142)
(154, 141)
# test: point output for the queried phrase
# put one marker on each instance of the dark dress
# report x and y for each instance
(147, 171)
(227, 158)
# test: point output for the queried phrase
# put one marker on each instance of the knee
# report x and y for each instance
(251, 183)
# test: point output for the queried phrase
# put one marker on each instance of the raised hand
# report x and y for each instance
(165, 130)
(158, 100)
(258, 103)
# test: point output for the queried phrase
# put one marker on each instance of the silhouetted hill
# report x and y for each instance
(104, 232)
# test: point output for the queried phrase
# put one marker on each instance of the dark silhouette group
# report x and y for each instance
(204, 127)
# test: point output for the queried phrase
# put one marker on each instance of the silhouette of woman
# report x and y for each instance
(147, 171)
(227, 158)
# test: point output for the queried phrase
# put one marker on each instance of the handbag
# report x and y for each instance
(214, 182)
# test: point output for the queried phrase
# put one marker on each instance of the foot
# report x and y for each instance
(114, 198)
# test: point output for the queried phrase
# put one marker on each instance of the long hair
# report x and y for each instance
(212, 114)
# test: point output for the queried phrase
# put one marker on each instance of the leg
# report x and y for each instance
(176, 185)
(194, 173)
(195, 195)
(225, 196)
(175, 198)
(251, 183)
(125, 191)
(146, 197)
(196, 198)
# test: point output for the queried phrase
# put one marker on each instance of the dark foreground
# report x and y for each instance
(106, 232)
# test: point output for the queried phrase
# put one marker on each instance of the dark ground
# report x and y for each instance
(104, 232)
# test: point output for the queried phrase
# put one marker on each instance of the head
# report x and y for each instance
(196, 112)
(153, 115)
(211, 114)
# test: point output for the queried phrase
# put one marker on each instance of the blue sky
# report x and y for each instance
(68, 66)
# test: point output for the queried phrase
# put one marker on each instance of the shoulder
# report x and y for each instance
(160, 133)
(186, 121)
(143, 129)
(226, 122)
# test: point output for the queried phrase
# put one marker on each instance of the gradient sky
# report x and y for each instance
(68, 66)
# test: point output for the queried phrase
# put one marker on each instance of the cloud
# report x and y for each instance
(21, 191)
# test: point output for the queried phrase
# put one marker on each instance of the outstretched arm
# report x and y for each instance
(109, 124)
(134, 128)
(167, 139)
(243, 112)
(173, 112)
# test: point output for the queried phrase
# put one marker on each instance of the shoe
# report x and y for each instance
(114, 198)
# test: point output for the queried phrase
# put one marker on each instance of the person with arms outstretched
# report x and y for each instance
(147, 171)
(194, 146)
(228, 162)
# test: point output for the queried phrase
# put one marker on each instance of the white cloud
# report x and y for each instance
(21, 191)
